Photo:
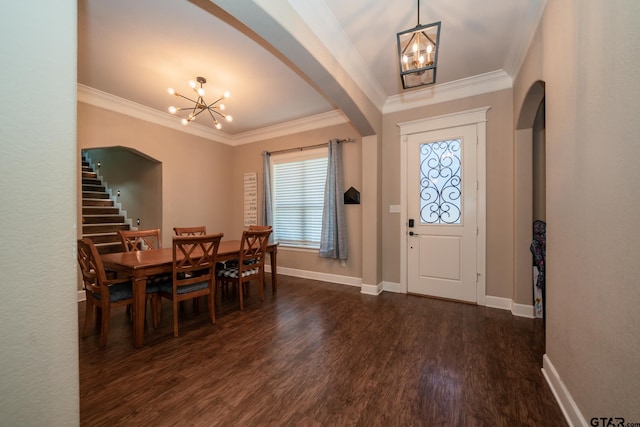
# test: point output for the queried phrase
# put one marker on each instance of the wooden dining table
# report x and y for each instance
(140, 265)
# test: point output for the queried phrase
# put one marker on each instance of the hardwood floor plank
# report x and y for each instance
(321, 354)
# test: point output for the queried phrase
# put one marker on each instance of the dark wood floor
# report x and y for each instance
(320, 354)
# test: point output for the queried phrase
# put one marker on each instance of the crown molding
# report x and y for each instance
(463, 88)
(105, 100)
(317, 121)
(97, 98)
(484, 83)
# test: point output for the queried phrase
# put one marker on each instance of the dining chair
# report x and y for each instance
(190, 231)
(194, 261)
(193, 231)
(100, 292)
(140, 240)
(234, 262)
(250, 264)
(143, 240)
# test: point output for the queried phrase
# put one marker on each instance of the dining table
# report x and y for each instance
(140, 265)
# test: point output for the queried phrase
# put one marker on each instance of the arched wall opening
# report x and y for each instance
(530, 190)
(138, 179)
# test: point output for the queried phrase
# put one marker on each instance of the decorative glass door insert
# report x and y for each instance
(441, 182)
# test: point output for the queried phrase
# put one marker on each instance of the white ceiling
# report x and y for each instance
(135, 50)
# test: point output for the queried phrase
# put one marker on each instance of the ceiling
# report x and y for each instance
(135, 50)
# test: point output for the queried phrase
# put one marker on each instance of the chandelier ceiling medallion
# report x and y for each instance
(418, 54)
(200, 105)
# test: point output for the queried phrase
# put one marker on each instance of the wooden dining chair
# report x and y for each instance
(143, 240)
(234, 262)
(250, 264)
(140, 240)
(100, 292)
(190, 231)
(194, 261)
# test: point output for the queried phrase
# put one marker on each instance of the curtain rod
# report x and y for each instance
(324, 144)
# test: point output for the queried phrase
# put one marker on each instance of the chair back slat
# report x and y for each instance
(190, 231)
(140, 240)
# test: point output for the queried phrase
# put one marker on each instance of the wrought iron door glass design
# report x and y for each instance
(441, 182)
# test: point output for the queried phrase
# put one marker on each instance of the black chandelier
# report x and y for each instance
(418, 54)
(200, 105)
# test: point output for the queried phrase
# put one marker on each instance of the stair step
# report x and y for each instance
(93, 188)
(103, 228)
(91, 181)
(94, 195)
(103, 238)
(103, 219)
(96, 202)
(100, 210)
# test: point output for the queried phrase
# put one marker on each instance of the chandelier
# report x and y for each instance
(200, 105)
(418, 54)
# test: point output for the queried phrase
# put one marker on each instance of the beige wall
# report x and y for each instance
(195, 171)
(499, 186)
(38, 170)
(586, 52)
(248, 158)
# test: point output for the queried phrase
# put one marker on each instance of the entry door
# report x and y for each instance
(441, 210)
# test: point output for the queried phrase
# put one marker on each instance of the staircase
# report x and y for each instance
(101, 219)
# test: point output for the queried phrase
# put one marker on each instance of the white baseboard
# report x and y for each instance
(392, 287)
(497, 302)
(315, 275)
(520, 310)
(568, 406)
(371, 289)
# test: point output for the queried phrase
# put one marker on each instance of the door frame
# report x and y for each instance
(477, 117)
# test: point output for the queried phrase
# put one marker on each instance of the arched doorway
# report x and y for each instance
(530, 191)
(136, 182)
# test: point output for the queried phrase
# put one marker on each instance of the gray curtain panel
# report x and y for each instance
(333, 240)
(267, 210)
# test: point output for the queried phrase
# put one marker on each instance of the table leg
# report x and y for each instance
(139, 302)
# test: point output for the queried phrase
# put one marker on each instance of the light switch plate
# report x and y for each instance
(394, 208)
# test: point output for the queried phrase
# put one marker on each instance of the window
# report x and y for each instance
(298, 181)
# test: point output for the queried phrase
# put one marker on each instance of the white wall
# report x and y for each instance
(38, 308)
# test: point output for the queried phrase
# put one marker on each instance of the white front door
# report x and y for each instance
(442, 225)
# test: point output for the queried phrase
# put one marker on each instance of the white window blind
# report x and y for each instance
(298, 181)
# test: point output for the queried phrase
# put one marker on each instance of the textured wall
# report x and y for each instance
(38, 308)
